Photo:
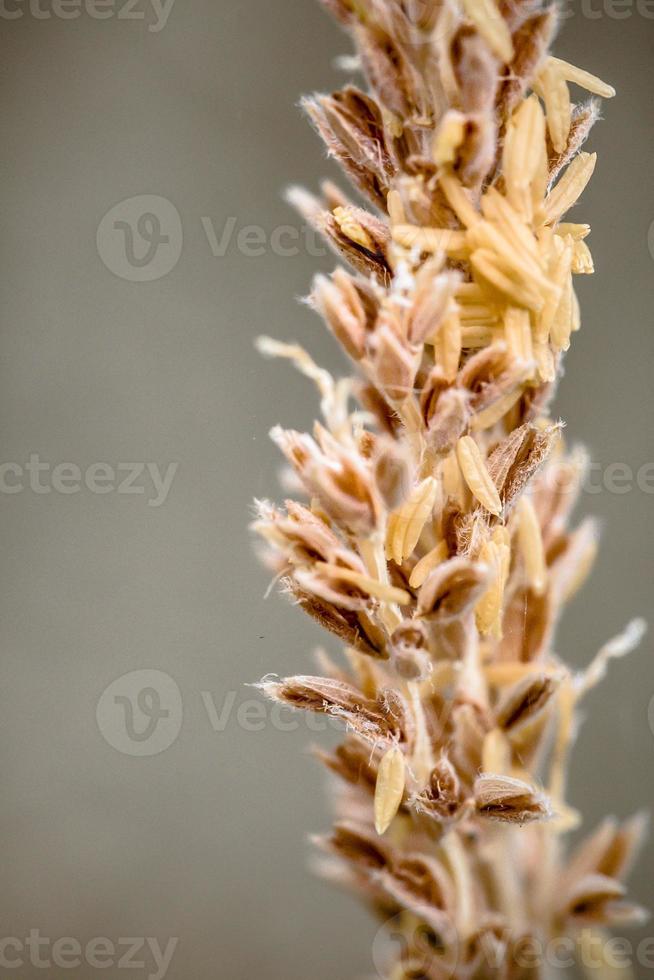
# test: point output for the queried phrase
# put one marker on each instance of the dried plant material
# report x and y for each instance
(339, 304)
(374, 721)
(525, 701)
(444, 796)
(367, 585)
(435, 538)
(451, 589)
(530, 41)
(620, 646)
(477, 476)
(390, 789)
(510, 800)
(610, 850)
(410, 650)
(598, 900)
(584, 118)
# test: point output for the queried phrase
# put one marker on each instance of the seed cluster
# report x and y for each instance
(433, 536)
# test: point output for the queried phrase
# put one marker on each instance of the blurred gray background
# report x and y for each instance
(205, 841)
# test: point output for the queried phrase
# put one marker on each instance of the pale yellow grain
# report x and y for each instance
(382, 591)
(395, 208)
(496, 753)
(352, 229)
(476, 475)
(449, 137)
(488, 611)
(391, 779)
(458, 198)
(517, 331)
(431, 240)
(576, 231)
(489, 416)
(570, 187)
(486, 16)
(427, 563)
(451, 345)
(552, 86)
(583, 78)
(582, 259)
(530, 541)
(408, 521)
(501, 278)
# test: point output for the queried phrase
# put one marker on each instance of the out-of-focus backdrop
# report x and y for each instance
(145, 147)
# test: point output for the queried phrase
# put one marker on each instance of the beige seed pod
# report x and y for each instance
(577, 232)
(458, 198)
(545, 362)
(488, 612)
(582, 259)
(583, 78)
(496, 753)
(449, 346)
(449, 137)
(406, 524)
(432, 240)
(352, 229)
(477, 476)
(517, 330)
(563, 323)
(487, 417)
(530, 540)
(510, 800)
(395, 208)
(389, 789)
(571, 186)
(427, 563)
(525, 156)
(488, 20)
(551, 84)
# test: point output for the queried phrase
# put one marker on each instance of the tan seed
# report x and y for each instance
(389, 789)
(477, 476)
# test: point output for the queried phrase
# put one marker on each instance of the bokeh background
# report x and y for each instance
(205, 841)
